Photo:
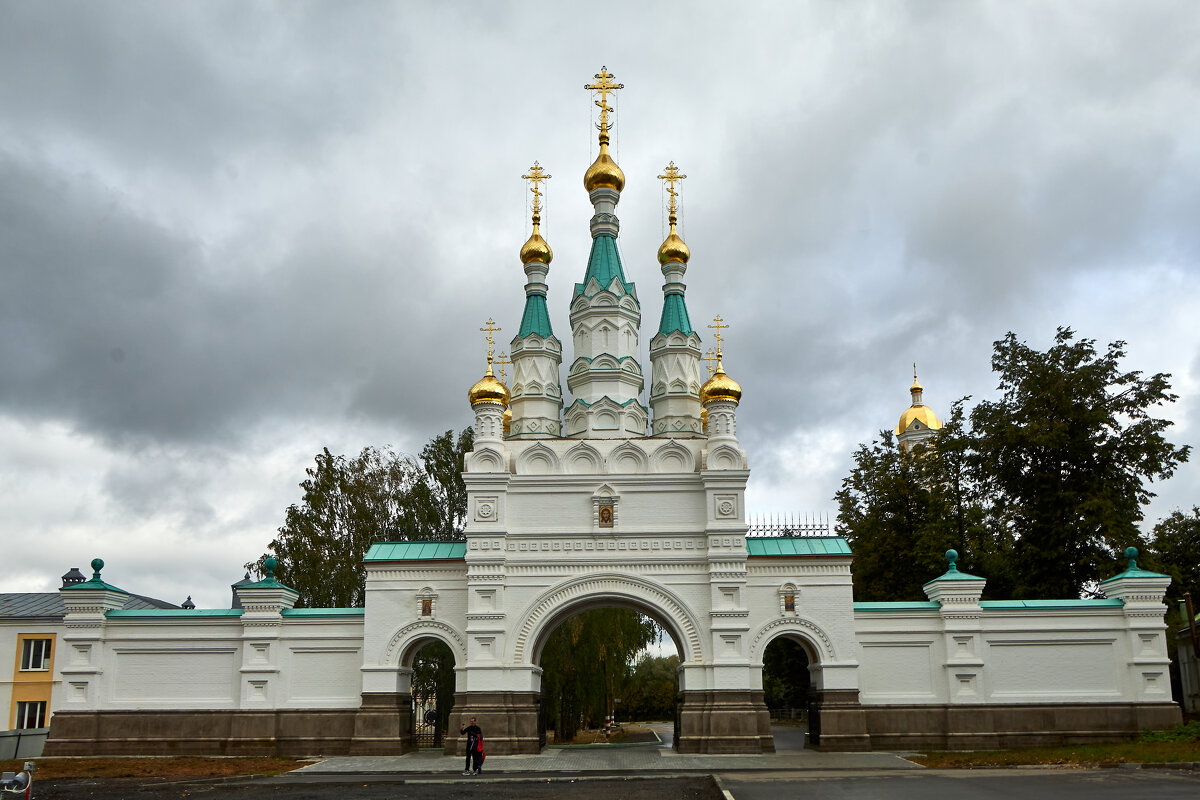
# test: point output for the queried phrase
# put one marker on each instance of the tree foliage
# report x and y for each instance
(586, 663)
(1037, 490)
(650, 692)
(900, 510)
(350, 503)
(1065, 456)
(1175, 550)
(786, 680)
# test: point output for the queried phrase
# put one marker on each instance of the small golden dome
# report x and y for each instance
(536, 248)
(673, 248)
(720, 387)
(488, 390)
(507, 417)
(918, 411)
(604, 171)
(922, 414)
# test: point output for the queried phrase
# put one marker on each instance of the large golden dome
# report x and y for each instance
(488, 390)
(673, 248)
(720, 387)
(917, 412)
(536, 249)
(604, 171)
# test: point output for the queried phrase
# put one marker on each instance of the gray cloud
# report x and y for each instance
(232, 233)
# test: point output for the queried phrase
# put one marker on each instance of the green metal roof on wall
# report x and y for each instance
(1009, 605)
(878, 605)
(174, 613)
(415, 551)
(323, 612)
(536, 318)
(797, 546)
(675, 315)
(604, 264)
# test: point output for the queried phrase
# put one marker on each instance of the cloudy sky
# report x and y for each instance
(232, 233)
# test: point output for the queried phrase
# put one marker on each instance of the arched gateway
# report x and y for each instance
(582, 508)
(609, 502)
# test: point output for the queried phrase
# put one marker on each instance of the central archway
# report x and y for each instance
(607, 590)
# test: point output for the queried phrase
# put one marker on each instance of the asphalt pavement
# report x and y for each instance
(968, 784)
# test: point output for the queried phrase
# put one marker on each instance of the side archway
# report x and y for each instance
(409, 639)
(606, 590)
(807, 632)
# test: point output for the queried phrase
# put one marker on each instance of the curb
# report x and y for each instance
(728, 795)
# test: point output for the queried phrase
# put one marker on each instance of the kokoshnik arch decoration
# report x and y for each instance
(609, 502)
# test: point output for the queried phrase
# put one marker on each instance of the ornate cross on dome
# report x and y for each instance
(536, 177)
(491, 328)
(502, 361)
(672, 176)
(718, 323)
(604, 85)
(709, 358)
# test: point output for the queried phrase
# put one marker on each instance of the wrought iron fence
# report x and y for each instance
(789, 525)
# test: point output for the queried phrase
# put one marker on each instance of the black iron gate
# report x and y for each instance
(427, 727)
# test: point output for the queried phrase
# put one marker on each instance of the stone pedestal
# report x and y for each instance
(509, 721)
(837, 722)
(723, 721)
(383, 725)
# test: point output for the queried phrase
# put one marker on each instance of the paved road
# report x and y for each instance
(996, 784)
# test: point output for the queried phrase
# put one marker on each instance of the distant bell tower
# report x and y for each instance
(918, 423)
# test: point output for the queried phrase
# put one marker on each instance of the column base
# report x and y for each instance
(723, 721)
(837, 722)
(383, 725)
(510, 722)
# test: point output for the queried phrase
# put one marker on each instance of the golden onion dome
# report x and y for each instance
(673, 248)
(604, 171)
(536, 249)
(720, 387)
(917, 412)
(488, 390)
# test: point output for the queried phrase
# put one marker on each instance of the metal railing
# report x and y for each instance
(789, 525)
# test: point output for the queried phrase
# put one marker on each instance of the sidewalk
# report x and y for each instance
(614, 759)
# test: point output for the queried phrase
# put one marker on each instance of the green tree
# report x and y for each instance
(1064, 458)
(1036, 490)
(1175, 551)
(350, 503)
(586, 663)
(651, 689)
(786, 679)
(901, 510)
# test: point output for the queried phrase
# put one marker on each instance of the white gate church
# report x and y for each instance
(608, 503)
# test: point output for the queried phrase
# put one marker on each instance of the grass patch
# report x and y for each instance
(154, 767)
(1116, 753)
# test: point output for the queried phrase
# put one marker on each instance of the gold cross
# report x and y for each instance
(710, 358)
(718, 323)
(491, 328)
(672, 175)
(604, 85)
(914, 372)
(502, 361)
(536, 177)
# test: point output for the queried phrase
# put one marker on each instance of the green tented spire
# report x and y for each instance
(674, 315)
(536, 318)
(604, 264)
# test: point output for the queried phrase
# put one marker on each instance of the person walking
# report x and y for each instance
(474, 736)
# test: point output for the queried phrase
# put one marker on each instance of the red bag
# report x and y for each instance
(482, 757)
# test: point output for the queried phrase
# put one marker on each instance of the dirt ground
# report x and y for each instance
(465, 789)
